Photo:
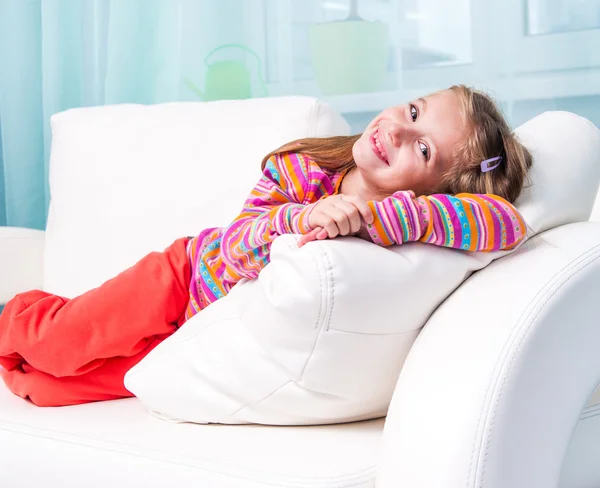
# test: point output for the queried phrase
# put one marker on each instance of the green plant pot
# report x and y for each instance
(350, 56)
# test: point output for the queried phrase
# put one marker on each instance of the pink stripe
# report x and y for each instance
(396, 230)
(439, 234)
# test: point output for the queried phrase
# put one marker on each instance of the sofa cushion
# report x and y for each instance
(563, 181)
(117, 444)
(320, 337)
(129, 179)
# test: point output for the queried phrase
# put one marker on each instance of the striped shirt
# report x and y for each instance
(290, 187)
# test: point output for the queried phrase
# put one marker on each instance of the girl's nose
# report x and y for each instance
(399, 133)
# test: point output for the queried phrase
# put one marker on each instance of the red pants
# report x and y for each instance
(57, 351)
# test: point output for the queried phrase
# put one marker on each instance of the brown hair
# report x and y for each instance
(334, 153)
(488, 135)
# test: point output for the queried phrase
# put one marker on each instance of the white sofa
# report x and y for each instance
(499, 399)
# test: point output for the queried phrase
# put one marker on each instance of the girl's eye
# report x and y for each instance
(424, 149)
(414, 113)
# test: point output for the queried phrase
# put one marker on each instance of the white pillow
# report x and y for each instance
(126, 180)
(321, 336)
(318, 338)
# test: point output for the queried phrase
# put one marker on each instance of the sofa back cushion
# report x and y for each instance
(129, 179)
(563, 182)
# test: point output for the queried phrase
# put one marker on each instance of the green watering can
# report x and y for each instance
(227, 80)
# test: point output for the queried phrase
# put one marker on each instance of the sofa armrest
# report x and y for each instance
(494, 385)
(21, 261)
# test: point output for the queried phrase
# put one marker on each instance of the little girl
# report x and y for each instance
(56, 351)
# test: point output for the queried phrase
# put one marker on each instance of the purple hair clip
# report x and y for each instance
(487, 165)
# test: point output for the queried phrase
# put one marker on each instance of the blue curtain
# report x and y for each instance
(60, 54)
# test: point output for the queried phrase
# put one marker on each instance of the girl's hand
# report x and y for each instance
(316, 234)
(338, 215)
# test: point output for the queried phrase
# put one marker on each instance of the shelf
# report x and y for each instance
(536, 86)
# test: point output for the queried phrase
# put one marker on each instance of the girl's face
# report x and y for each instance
(409, 147)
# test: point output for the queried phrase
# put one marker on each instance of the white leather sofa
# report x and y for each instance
(505, 405)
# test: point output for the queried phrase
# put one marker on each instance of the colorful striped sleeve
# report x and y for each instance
(466, 221)
(275, 206)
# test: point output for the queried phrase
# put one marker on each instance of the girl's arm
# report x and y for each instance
(277, 205)
(466, 221)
